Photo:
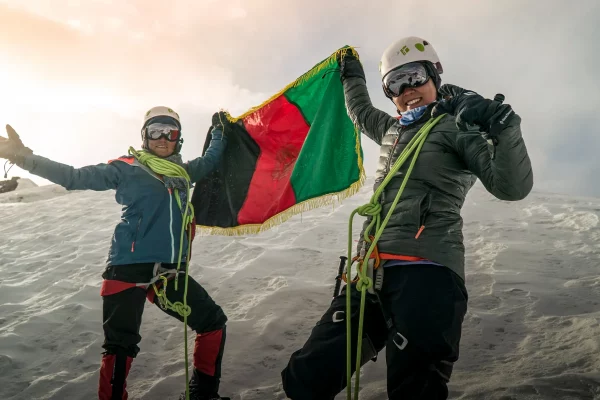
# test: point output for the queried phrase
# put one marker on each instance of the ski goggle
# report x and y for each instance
(157, 131)
(410, 75)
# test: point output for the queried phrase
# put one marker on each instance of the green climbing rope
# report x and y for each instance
(167, 168)
(373, 209)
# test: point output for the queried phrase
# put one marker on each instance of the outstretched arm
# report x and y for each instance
(96, 177)
(92, 177)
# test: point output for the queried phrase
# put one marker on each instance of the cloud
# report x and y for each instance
(204, 55)
(76, 91)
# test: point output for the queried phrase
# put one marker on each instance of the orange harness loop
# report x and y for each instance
(374, 254)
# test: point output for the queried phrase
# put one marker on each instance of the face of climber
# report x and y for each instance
(410, 86)
(162, 138)
(162, 147)
(416, 97)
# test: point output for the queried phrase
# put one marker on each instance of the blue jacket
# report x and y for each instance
(150, 226)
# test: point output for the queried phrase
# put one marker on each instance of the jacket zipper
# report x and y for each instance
(171, 226)
(391, 155)
(389, 166)
(170, 219)
(423, 216)
(170, 215)
(137, 231)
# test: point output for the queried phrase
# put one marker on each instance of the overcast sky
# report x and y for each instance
(77, 76)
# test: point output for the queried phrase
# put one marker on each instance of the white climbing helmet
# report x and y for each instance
(157, 113)
(407, 50)
(161, 111)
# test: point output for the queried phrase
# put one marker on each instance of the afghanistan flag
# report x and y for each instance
(296, 151)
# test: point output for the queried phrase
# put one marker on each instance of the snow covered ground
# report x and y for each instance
(532, 330)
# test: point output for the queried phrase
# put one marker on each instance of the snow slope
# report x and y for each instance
(532, 330)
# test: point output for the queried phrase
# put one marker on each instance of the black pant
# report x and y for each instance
(122, 312)
(425, 306)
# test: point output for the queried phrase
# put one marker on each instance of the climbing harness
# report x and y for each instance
(170, 169)
(368, 259)
(339, 277)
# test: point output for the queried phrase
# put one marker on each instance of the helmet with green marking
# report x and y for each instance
(411, 50)
(407, 50)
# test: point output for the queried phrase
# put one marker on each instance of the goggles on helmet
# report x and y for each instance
(410, 75)
(157, 131)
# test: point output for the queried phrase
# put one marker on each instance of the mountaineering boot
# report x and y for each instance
(206, 377)
(203, 387)
(113, 376)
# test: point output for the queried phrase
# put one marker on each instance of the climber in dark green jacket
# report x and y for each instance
(418, 312)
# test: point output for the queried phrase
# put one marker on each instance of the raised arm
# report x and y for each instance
(508, 175)
(372, 122)
(202, 166)
(502, 163)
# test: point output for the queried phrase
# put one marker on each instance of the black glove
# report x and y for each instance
(350, 66)
(470, 108)
(13, 148)
(220, 121)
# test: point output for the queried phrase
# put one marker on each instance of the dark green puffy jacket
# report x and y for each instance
(448, 166)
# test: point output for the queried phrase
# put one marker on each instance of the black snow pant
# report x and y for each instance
(418, 320)
(122, 316)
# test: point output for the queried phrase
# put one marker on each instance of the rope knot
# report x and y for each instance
(370, 209)
(364, 283)
(183, 310)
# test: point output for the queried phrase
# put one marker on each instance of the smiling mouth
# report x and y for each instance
(414, 101)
